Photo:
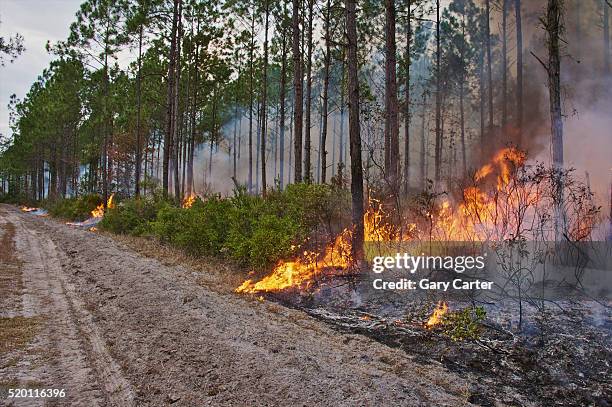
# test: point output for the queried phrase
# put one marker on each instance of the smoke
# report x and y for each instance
(586, 104)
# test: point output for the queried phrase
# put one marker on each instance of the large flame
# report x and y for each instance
(489, 210)
(437, 315)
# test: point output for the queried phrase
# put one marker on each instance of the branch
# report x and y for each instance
(539, 60)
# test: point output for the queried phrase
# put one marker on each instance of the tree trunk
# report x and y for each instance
(177, 127)
(438, 147)
(264, 112)
(407, 103)
(391, 104)
(138, 113)
(519, 72)
(342, 157)
(251, 97)
(489, 66)
(423, 168)
(196, 81)
(307, 127)
(606, 36)
(354, 133)
(462, 96)
(297, 89)
(504, 118)
(324, 113)
(554, 28)
(283, 91)
(170, 102)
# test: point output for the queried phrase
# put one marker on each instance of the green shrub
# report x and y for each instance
(78, 208)
(131, 216)
(249, 229)
(272, 239)
(464, 324)
(200, 230)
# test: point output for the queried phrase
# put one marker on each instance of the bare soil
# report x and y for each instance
(116, 328)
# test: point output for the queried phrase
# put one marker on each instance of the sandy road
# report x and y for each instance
(115, 328)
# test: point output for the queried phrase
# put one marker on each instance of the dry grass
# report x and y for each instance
(216, 274)
(16, 333)
(11, 284)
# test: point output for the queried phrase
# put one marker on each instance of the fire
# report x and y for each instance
(437, 315)
(28, 209)
(377, 227)
(99, 211)
(302, 271)
(477, 215)
(188, 201)
(473, 219)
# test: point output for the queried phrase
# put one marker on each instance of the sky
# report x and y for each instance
(37, 21)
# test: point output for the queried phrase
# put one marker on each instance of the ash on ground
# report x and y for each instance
(560, 356)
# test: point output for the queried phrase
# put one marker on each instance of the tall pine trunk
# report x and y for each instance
(504, 118)
(138, 112)
(297, 90)
(438, 147)
(519, 72)
(407, 103)
(264, 112)
(324, 113)
(554, 28)
(391, 104)
(307, 126)
(606, 35)
(489, 66)
(251, 97)
(354, 133)
(283, 91)
(170, 103)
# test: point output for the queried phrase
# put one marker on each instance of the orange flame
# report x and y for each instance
(377, 226)
(302, 271)
(188, 201)
(468, 221)
(437, 315)
(99, 211)
(28, 209)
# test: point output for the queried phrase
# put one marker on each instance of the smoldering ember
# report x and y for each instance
(305, 203)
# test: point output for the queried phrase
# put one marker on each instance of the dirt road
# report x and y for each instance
(85, 313)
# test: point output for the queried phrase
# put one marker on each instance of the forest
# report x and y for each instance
(291, 144)
(187, 96)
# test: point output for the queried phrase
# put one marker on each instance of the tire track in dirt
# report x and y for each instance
(177, 342)
(68, 352)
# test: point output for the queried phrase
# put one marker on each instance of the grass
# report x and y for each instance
(16, 333)
(11, 284)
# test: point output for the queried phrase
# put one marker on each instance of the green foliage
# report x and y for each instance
(252, 230)
(73, 208)
(464, 324)
(200, 230)
(131, 216)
